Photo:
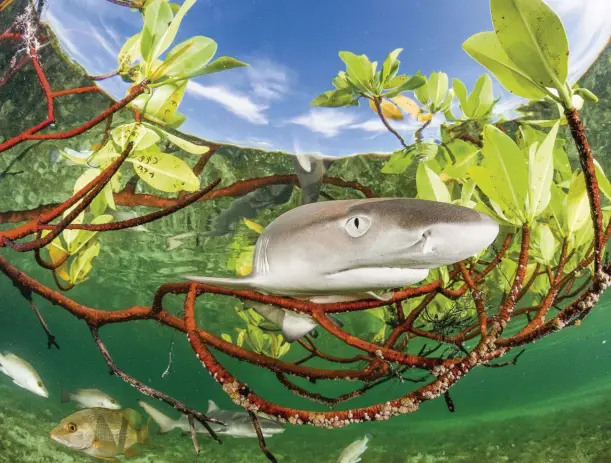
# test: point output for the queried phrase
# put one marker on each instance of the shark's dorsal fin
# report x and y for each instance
(212, 407)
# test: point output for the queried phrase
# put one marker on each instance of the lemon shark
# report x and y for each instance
(342, 250)
(237, 424)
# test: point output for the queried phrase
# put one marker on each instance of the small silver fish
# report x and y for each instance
(22, 373)
(352, 453)
(90, 398)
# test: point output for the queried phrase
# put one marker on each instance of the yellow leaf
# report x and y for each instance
(56, 254)
(244, 270)
(424, 117)
(389, 110)
(253, 226)
(407, 105)
(164, 171)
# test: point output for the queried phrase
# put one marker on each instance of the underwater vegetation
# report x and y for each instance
(502, 245)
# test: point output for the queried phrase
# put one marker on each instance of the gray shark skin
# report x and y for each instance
(249, 205)
(310, 170)
(237, 424)
(353, 247)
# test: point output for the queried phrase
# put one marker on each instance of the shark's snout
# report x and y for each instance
(448, 243)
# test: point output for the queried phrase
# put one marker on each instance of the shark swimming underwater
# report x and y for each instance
(237, 424)
(342, 250)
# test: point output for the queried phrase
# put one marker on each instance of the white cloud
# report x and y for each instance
(268, 80)
(235, 102)
(64, 37)
(329, 123)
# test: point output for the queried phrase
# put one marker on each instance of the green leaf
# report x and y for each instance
(486, 49)
(396, 81)
(555, 214)
(467, 192)
(603, 181)
(240, 339)
(77, 157)
(84, 237)
(170, 33)
(465, 155)
(157, 18)
(163, 171)
(81, 265)
(422, 93)
(189, 58)
(141, 136)
(399, 162)
(437, 88)
(430, 186)
(130, 52)
(533, 37)
(460, 90)
(161, 106)
(411, 83)
(359, 70)
(222, 63)
(226, 337)
(577, 205)
(586, 94)
(546, 241)
(484, 181)
(181, 143)
(334, 98)
(481, 99)
(540, 174)
(390, 65)
(508, 172)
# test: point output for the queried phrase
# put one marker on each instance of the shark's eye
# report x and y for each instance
(71, 427)
(357, 226)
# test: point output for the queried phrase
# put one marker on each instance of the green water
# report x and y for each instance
(548, 407)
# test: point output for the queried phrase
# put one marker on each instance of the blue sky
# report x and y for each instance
(292, 48)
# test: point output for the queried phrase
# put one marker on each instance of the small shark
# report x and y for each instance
(249, 205)
(344, 250)
(310, 170)
(237, 424)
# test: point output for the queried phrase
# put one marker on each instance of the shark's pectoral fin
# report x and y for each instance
(380, 297)
(295, 325)
(292, 325)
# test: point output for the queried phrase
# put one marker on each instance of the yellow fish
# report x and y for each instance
(102, 433)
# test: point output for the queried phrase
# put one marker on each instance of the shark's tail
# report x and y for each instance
(165, 423)
(229, 283)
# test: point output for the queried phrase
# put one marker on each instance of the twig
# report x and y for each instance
(262, 444)
(167, 370)
(377, 101)
(149, 391)
(193, 434)
(449, 401)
